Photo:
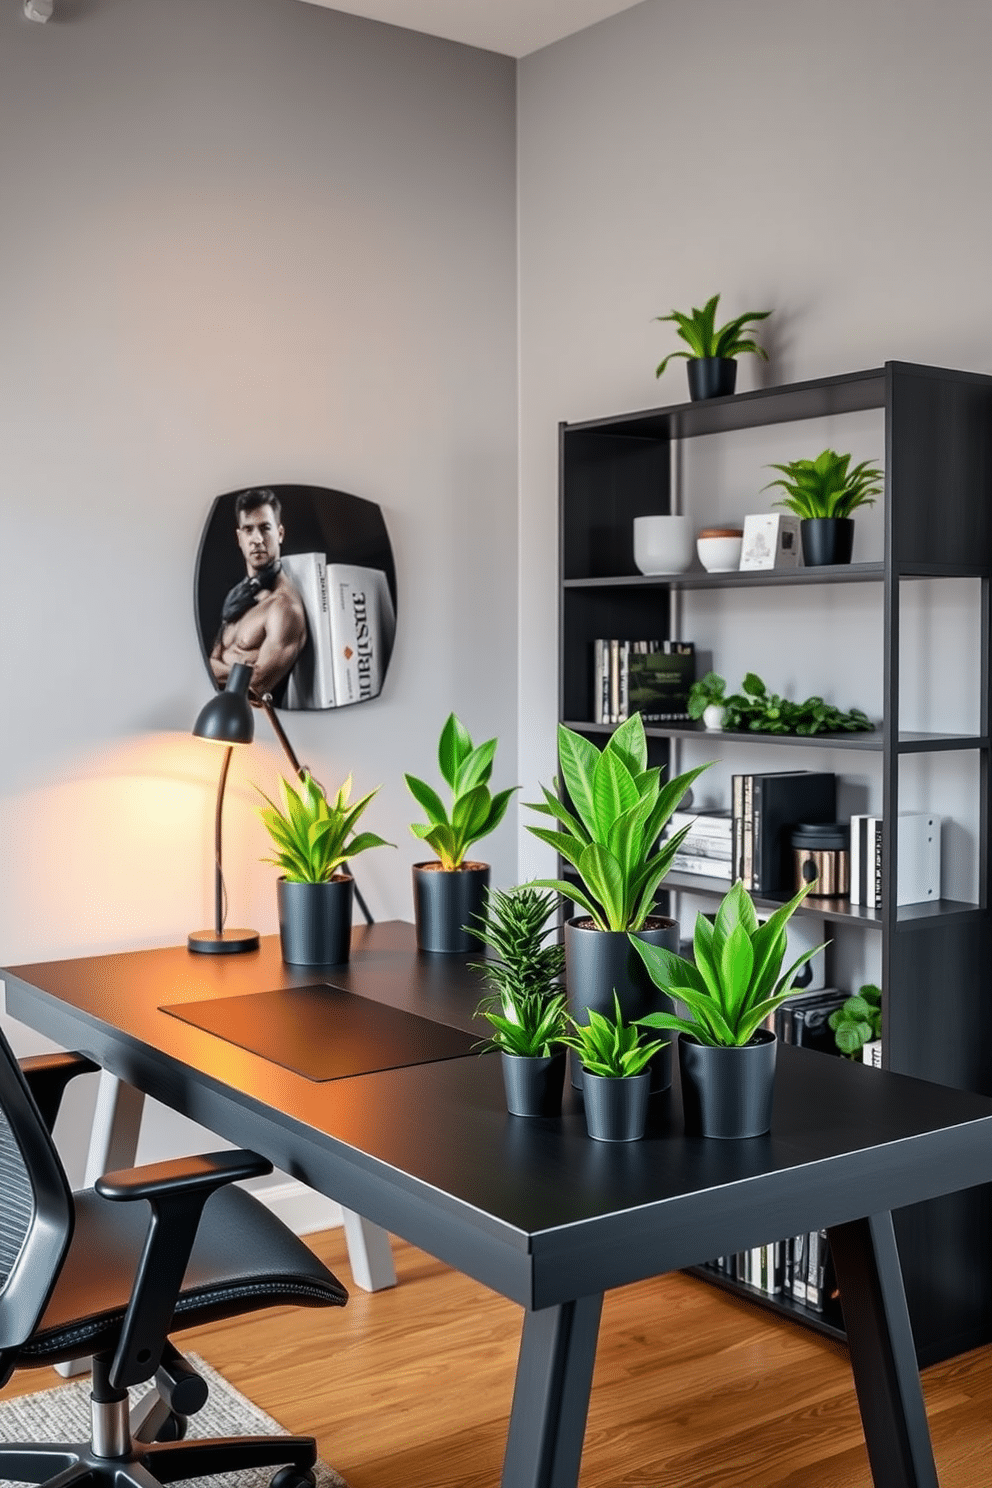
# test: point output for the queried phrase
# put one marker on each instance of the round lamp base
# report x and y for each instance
(227, 943)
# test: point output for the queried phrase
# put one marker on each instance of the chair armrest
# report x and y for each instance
(176, 1192)
(48, 1075)
(182, 1175)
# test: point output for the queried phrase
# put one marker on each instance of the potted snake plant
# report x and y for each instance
(525, 1008)
(615, 1058)
(734, 983)
(711, 363)
(610, 810)
(823, 493)
(315, 838)
(449, 892)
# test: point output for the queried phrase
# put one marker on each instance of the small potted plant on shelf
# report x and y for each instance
(857, 1026)
(526, 1009)
(726, 1056)
(823, 493)
(706, 700)
(611, 810)
(711, 358)
(755, 710)
(449, 894)
(315, 839)
(616, 1079)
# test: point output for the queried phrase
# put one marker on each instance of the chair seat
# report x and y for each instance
(244, 1259)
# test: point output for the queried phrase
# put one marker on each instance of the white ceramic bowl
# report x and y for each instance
(662, 545)
(720, 553)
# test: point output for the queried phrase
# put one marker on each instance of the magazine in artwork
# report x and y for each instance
(350, 620)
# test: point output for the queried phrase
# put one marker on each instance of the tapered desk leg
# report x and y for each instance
(551, 1395)
(883, 1356)
(370, 1254)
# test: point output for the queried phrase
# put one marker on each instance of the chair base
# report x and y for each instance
(147, 1464)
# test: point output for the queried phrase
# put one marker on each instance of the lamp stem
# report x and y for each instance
(218, 858)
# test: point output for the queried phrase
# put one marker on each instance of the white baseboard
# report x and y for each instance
(299, 1207)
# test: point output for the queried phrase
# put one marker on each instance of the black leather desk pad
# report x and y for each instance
(323, 1032)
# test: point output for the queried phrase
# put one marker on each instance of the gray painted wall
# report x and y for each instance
(829, 161)
(243, 241)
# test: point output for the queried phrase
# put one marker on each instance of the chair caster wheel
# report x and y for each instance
(172, 1429)
(293, 1477)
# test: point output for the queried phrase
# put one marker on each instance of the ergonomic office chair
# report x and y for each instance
(97, 1273)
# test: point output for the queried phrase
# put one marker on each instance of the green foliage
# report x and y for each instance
(610, 1047)
(756, 710)
(825, 487)
(858, 1021)
(705, 339)
(611, 819)
(313, 837)
(736, 980)
(705, 691)
(465, 769)
(526, 1010)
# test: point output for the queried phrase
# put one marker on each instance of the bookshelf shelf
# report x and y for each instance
(938, 525)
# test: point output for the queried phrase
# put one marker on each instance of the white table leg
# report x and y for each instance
(113, 1144)
(369, 1253)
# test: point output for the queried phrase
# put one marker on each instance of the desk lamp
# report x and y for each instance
(228, 719)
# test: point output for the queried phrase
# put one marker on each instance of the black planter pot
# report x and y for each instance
(315, 921)
(728, 1092)
(596, 962)
(444, 901)
(827, 540)
(616, 1110)
(711, 377)
(533, 1086)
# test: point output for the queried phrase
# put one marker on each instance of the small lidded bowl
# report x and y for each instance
(719, 548)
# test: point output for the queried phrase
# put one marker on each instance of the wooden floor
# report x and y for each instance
(411, 1388)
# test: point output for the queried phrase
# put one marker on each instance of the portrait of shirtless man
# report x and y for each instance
(263, 622)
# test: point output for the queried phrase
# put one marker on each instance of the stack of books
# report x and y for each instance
(803, 1019)
(652, 678)
(706, 847)
(765, 809)
(799, 1268)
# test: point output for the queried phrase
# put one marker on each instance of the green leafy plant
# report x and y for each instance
(858, 1021)
(526, 1010)
(756, 710)
(315, 838)
(826, 487)
(705, 339)
(610, 1047)
(465, 769)
(611, 819)
(736, 980)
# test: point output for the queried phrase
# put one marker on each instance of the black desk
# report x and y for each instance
(534, 1209)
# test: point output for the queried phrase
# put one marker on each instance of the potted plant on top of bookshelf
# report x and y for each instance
(611, 810)
(823, 493)
(711, 358)
(449, 894)
(858, 1024)
(726, 1056)
(526, 1009)
(616, 1077)
(314, 839)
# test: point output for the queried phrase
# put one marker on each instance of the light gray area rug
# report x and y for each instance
(63, 1414)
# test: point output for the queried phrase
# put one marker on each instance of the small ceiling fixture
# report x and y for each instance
(38, 10)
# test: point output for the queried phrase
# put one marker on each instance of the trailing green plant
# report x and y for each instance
(465, 769)
(736, 979)
(314, 837)
(526, 1009)
(826, 487)
(858, 1021)
(705, 339)
(611, 810)
(610, 1047)
(756, 710)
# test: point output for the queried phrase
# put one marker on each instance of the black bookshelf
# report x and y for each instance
(936, 958)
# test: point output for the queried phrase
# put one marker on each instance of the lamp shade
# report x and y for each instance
(228, 717)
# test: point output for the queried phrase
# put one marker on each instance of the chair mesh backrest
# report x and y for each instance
(36, 1210)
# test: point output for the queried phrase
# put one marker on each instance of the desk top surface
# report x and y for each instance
(532, 1207)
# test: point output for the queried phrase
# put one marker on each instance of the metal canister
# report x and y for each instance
(821, 855)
